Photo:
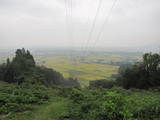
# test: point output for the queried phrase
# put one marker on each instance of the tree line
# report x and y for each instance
(23, 69)
(144, 74)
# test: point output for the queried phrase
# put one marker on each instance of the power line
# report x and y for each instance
(103, 25)
(81, 48)
(69, 17)
(93, 24)
(72, 36)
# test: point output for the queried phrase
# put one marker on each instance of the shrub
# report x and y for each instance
(102, 83)
(19, 98)
(106, 106)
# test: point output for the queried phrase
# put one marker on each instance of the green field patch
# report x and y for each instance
(75, 72)
(82, 71)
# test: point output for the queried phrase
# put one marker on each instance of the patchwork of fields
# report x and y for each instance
(84, 72)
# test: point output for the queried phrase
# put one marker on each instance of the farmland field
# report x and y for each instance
(84, 69)
(98, 65)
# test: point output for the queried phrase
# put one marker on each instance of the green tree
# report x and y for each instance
(23, 69)
(143, 75)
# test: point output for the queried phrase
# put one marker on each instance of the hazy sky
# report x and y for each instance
(37, 23)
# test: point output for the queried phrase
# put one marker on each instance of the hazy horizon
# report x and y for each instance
(66, 23)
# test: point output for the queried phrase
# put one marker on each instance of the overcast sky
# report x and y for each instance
(42, 23)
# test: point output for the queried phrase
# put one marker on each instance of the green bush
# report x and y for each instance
(15, 98)
(114, 104)
(102, 83)
(106, 106)
(145, 105)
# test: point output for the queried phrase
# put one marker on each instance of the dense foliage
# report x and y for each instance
(95, 105)
(102, 83)
(14, 98)
(23, 69)
(142, 75)
(112, 104)
(21, 63)
(28, 82)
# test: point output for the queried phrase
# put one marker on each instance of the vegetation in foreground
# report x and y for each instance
(18, 98)
(72, 103)
(34, 93)
(114, 104)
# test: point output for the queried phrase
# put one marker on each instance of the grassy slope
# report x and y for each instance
(137, 100)
(50, 111)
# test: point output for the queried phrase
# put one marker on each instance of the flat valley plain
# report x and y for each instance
(91, 67)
